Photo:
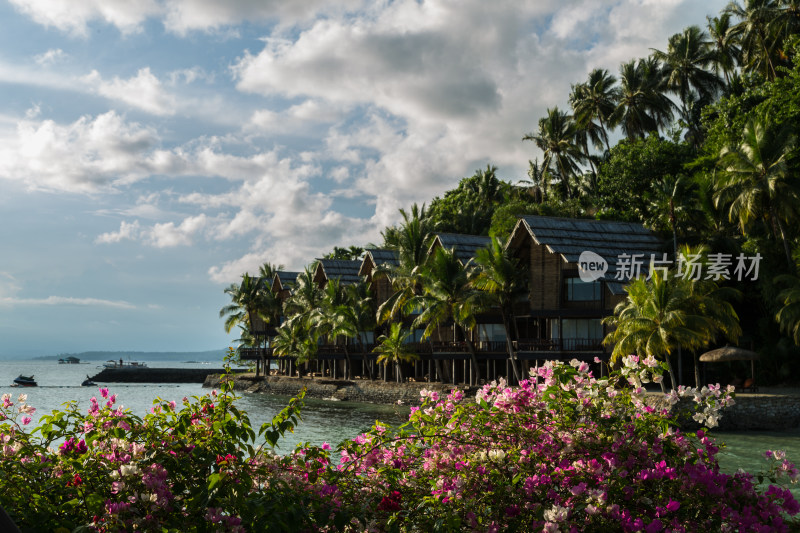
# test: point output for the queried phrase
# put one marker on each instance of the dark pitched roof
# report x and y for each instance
(377, 257)
(284, 279)
(345, 271)
(464, 246)
(570, 237)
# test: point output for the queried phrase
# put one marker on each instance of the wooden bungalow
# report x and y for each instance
(563, 314)
(345, 271)
(373, 258)
(282, 283)
(464, 246)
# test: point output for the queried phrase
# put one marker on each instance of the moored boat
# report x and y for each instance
(25, 381)
(120, 364)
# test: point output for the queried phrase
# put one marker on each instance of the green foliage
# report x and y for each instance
(468, 208)
(639, 165)
(178, 469)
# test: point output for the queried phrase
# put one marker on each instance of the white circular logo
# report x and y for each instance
(591, 266)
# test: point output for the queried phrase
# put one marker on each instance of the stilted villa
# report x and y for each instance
(560, 319)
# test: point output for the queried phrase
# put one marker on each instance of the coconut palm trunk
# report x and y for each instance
(476, 371)
(510, 347)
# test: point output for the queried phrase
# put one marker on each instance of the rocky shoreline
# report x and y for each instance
(365, 391)
(767, 411)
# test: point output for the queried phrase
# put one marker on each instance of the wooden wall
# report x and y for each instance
(545, 277)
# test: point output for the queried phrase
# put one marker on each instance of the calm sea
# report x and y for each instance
(323, 421)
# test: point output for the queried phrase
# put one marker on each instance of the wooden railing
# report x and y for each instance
(558, 345)
(423, 348)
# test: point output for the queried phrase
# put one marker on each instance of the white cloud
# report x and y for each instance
(52, 56)
(127, 231)
(168, 235)
(75, 15)
(143, 91)
(159, 235)
(70, 301)
(186, 15)
(304, 118)
(86, 155)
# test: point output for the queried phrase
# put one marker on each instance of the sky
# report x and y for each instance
(153, 151)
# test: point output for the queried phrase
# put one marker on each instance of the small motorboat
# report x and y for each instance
(88, 382)
(25, 381)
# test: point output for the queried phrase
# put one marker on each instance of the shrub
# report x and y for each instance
(564, 451)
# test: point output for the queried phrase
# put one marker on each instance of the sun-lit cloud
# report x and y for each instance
(85, 155)
(143, 91)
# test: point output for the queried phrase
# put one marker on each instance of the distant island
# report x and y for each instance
(210, 355)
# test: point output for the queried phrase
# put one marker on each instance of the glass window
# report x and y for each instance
(491, 332)
(582, 328)
(578, 290)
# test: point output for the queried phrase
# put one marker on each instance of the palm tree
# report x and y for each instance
(306, 295)
(246, 301)
(758, 34)
(411, 240)
(556, 138)
(267, 271)
(392, 348)
(656, 319)
(642, 107)
(500, 275)
(673, 202)
(788, 316)
(359, 314)
(686, 63)
(593, 102)
(537, 182)
(448, 296)
(787, 19)
(712, 301)
(296, 339)
(486, 186)
(331, 318)
(756, 181)
(724, 41)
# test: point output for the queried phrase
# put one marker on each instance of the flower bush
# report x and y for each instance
(564, 451)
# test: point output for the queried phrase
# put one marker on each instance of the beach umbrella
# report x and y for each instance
(732, 353)
(729, 353)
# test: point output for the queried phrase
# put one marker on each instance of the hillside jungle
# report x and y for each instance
(697, 140)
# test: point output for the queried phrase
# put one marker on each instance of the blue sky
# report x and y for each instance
(151, 152)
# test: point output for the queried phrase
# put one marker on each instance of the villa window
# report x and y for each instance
(577, 290)
(491, 332)
(578, 328)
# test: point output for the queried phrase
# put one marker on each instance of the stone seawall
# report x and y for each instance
(750, 412)
(154, 375)
(344, 390)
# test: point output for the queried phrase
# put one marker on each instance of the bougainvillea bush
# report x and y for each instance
(564, 451)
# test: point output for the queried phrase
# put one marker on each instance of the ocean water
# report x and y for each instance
(322, 421)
